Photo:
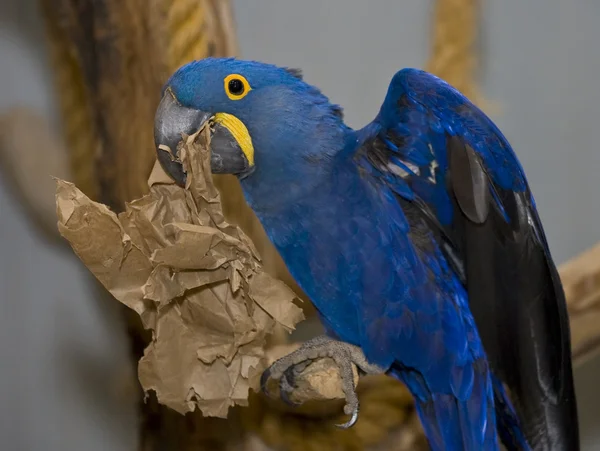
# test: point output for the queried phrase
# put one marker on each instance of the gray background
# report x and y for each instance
(61, 354)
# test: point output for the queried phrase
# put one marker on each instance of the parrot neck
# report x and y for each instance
(304, 169)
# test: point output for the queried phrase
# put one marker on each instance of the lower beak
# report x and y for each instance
(174, 120)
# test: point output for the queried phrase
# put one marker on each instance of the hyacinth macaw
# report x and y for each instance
(416, 238)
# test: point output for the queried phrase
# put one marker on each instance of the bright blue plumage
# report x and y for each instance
(371, 228)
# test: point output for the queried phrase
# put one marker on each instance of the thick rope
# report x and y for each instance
(453, 50)
(185, 24)
(197, 29)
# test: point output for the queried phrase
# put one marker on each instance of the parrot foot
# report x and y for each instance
(286, 369)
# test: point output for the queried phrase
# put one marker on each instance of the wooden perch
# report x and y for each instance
(581, 280)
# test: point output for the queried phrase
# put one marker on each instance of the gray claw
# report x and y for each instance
(264, 379)
(285, 397)
(352, 420)
(286, 387)
(290, 376)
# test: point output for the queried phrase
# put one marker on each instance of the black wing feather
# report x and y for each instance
(512, 282)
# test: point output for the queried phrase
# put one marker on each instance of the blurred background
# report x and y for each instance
(65, 365)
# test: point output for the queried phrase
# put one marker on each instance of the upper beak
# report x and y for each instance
(172, 120)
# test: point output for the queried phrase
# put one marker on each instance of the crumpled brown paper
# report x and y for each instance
(195, 281)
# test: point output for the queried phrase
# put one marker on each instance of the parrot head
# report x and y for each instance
(269, 127)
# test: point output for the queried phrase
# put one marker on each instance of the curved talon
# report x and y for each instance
(286, 386)
(350, 422)
(264, 379)
(285, 397)
(290, 376)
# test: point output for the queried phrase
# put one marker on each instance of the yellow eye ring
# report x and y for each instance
(236, 86)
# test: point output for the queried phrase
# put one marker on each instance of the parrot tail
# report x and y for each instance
(453, 423)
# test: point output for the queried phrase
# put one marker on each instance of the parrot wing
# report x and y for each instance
(445, 160)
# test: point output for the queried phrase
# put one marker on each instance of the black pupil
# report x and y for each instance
(236, 86)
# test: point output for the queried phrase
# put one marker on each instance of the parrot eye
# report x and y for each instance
(236, 87)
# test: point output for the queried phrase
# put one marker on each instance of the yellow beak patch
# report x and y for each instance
(239, 132)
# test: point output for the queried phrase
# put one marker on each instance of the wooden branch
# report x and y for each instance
(581, 280)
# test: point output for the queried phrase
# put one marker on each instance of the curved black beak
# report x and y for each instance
(172, 120)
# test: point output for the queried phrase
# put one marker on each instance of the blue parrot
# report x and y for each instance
(416, 238)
